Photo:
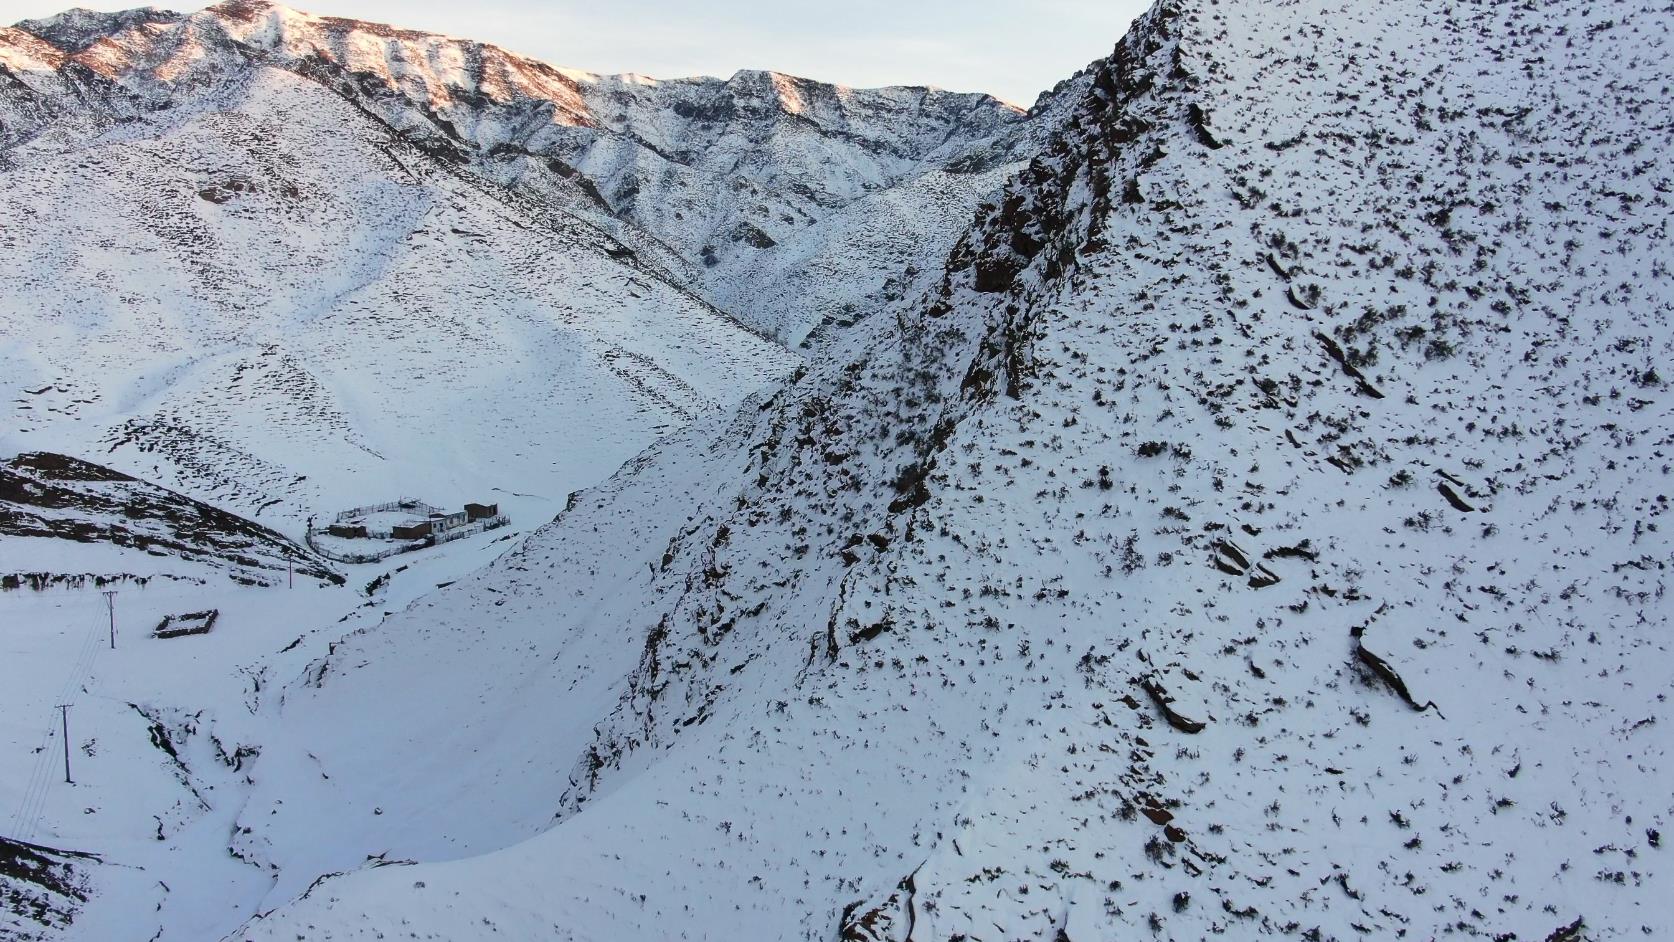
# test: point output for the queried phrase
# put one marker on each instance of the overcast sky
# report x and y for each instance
(1012, 49)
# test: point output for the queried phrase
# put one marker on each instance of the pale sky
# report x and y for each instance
(1011, 49)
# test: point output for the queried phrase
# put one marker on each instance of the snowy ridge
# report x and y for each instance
(714, 171)
(78, 523)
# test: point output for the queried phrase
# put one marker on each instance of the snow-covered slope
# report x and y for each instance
(289, 263)
(1252, 529)
(702, 175)
(285, 264)
(1256, 533)
(278, 305)
(71, 522)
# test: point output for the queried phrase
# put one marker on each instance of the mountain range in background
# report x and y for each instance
(265, 254)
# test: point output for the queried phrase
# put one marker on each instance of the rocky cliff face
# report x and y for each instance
(1255, 530)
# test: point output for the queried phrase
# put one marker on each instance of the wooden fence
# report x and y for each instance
(418, 507)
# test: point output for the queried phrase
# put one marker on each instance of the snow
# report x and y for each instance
(915, 641)
(682, 165)
(353, 330)
(126, 789)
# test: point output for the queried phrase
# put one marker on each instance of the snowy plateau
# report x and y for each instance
(1221, 500)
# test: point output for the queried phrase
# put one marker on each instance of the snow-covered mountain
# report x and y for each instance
(1250, 528)
(708, 177)
(287, 262)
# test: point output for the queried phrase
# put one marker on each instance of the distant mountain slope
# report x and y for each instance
(68, 521)
(1256, 532)
(274, 302)
(268, 257)
(705, 174)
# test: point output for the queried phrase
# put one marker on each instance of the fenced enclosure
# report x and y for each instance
(430, 526)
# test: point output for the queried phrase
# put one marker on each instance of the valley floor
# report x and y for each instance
(155, 802)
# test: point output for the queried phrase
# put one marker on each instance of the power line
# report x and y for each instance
(40, 779)
(26, 820)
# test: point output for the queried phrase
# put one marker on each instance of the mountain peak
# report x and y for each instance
(250, 8)
(75, 29)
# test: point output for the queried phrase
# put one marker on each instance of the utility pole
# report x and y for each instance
(110, 603)
(290, 573)
(64, 711)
